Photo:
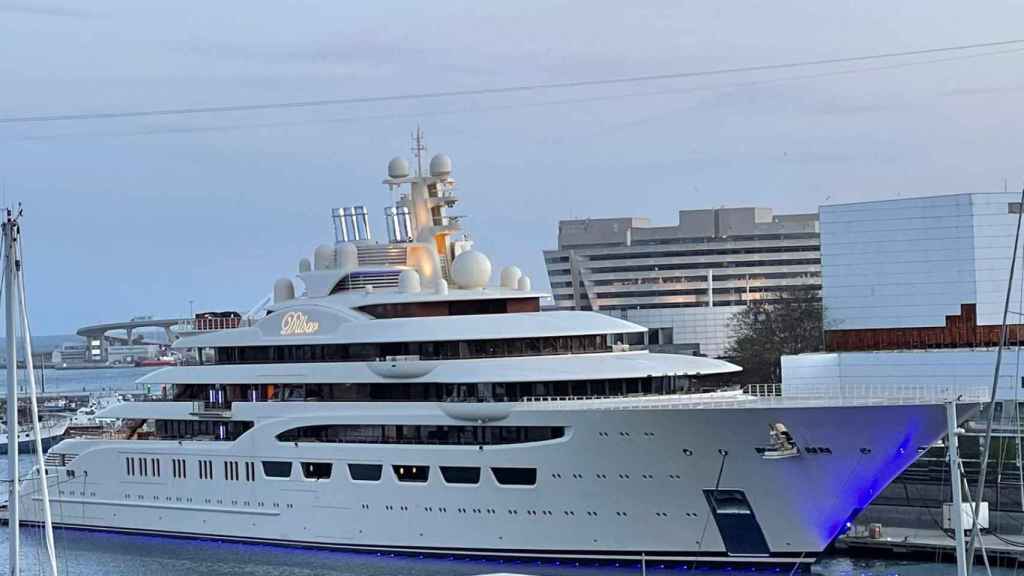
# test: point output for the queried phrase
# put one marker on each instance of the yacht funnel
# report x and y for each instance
(391, 219)
(340, 232)
(349, 219)
(362, 222)
(404, 219)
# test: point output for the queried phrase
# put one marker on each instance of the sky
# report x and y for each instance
(138, 216)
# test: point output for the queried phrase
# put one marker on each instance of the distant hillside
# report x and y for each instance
(41, 344)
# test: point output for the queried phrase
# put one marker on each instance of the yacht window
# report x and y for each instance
(277, 469)
(532, 346)
(439, 350)
(316, 470)
(403, 392)
(515, 476)
(461, 474)
(477, 348)
(365, 472)
(421, 434)
(549, 345)
(411, 473)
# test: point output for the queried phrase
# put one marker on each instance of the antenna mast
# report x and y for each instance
(418, 149)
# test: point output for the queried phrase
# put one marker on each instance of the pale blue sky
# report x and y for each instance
(137, 216)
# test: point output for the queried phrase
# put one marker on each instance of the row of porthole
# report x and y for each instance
(244, 503)
(624, 435)
(74, 493)
(688, 452)
(559, 476)
(515, 512)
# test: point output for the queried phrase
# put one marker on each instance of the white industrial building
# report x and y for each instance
(684, 281)
(911, 262)
(913, 290)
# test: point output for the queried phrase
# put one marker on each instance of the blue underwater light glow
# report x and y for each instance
(864, 484)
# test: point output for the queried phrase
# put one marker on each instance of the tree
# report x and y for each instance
(766, 330)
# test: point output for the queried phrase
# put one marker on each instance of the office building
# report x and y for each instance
(684, 281)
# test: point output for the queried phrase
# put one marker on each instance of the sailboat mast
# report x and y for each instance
(26, 334)
(10, 286)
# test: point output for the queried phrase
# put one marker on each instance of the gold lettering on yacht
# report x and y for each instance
(297, 323)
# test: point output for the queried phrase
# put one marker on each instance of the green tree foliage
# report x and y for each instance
(767, 330)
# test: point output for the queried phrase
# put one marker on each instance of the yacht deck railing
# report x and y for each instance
(212, 324)
(805, 396)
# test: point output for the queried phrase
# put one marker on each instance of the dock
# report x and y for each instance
(923, 541)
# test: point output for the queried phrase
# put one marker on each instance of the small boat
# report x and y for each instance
(162, 361)
(52, 431)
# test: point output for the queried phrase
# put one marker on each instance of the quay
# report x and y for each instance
(895, 541)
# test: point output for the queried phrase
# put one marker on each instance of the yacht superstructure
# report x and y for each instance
(401, 402)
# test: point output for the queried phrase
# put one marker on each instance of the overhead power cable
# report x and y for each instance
(234, 126)
(490, 91)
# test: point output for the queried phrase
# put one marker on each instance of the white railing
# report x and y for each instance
(564, 398)
(212, 324)
(763, 390)
(903, 393)
(808, 396)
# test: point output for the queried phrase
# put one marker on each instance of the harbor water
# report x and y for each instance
(84, 553)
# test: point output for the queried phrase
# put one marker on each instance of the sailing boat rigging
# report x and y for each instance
(17, 317)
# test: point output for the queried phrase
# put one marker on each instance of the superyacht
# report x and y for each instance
(400, 401)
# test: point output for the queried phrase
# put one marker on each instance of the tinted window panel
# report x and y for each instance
(461, 474)
(515, 476)
(411, 472)
(316, 470)
(274, 469)
(416, 434)
(365, 472)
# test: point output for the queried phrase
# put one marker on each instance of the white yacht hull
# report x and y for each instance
(621, 484)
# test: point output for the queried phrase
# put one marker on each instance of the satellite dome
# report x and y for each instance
(304, 266)
(283, 290)
(510, 277)
(442, 286)
(471, 269)
(323, 257)
(398, 168)
(524, 284)
(346, 256)
(440, 166)
(409, 281)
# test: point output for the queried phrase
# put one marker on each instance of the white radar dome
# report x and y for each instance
(304, 266)
(442, 286)
(323, 257)
(524, 284)
(440, 166)
(510, 277)
(409, 281)
(283, 290)
(471, 269)
(398, 168)
(346, 256)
